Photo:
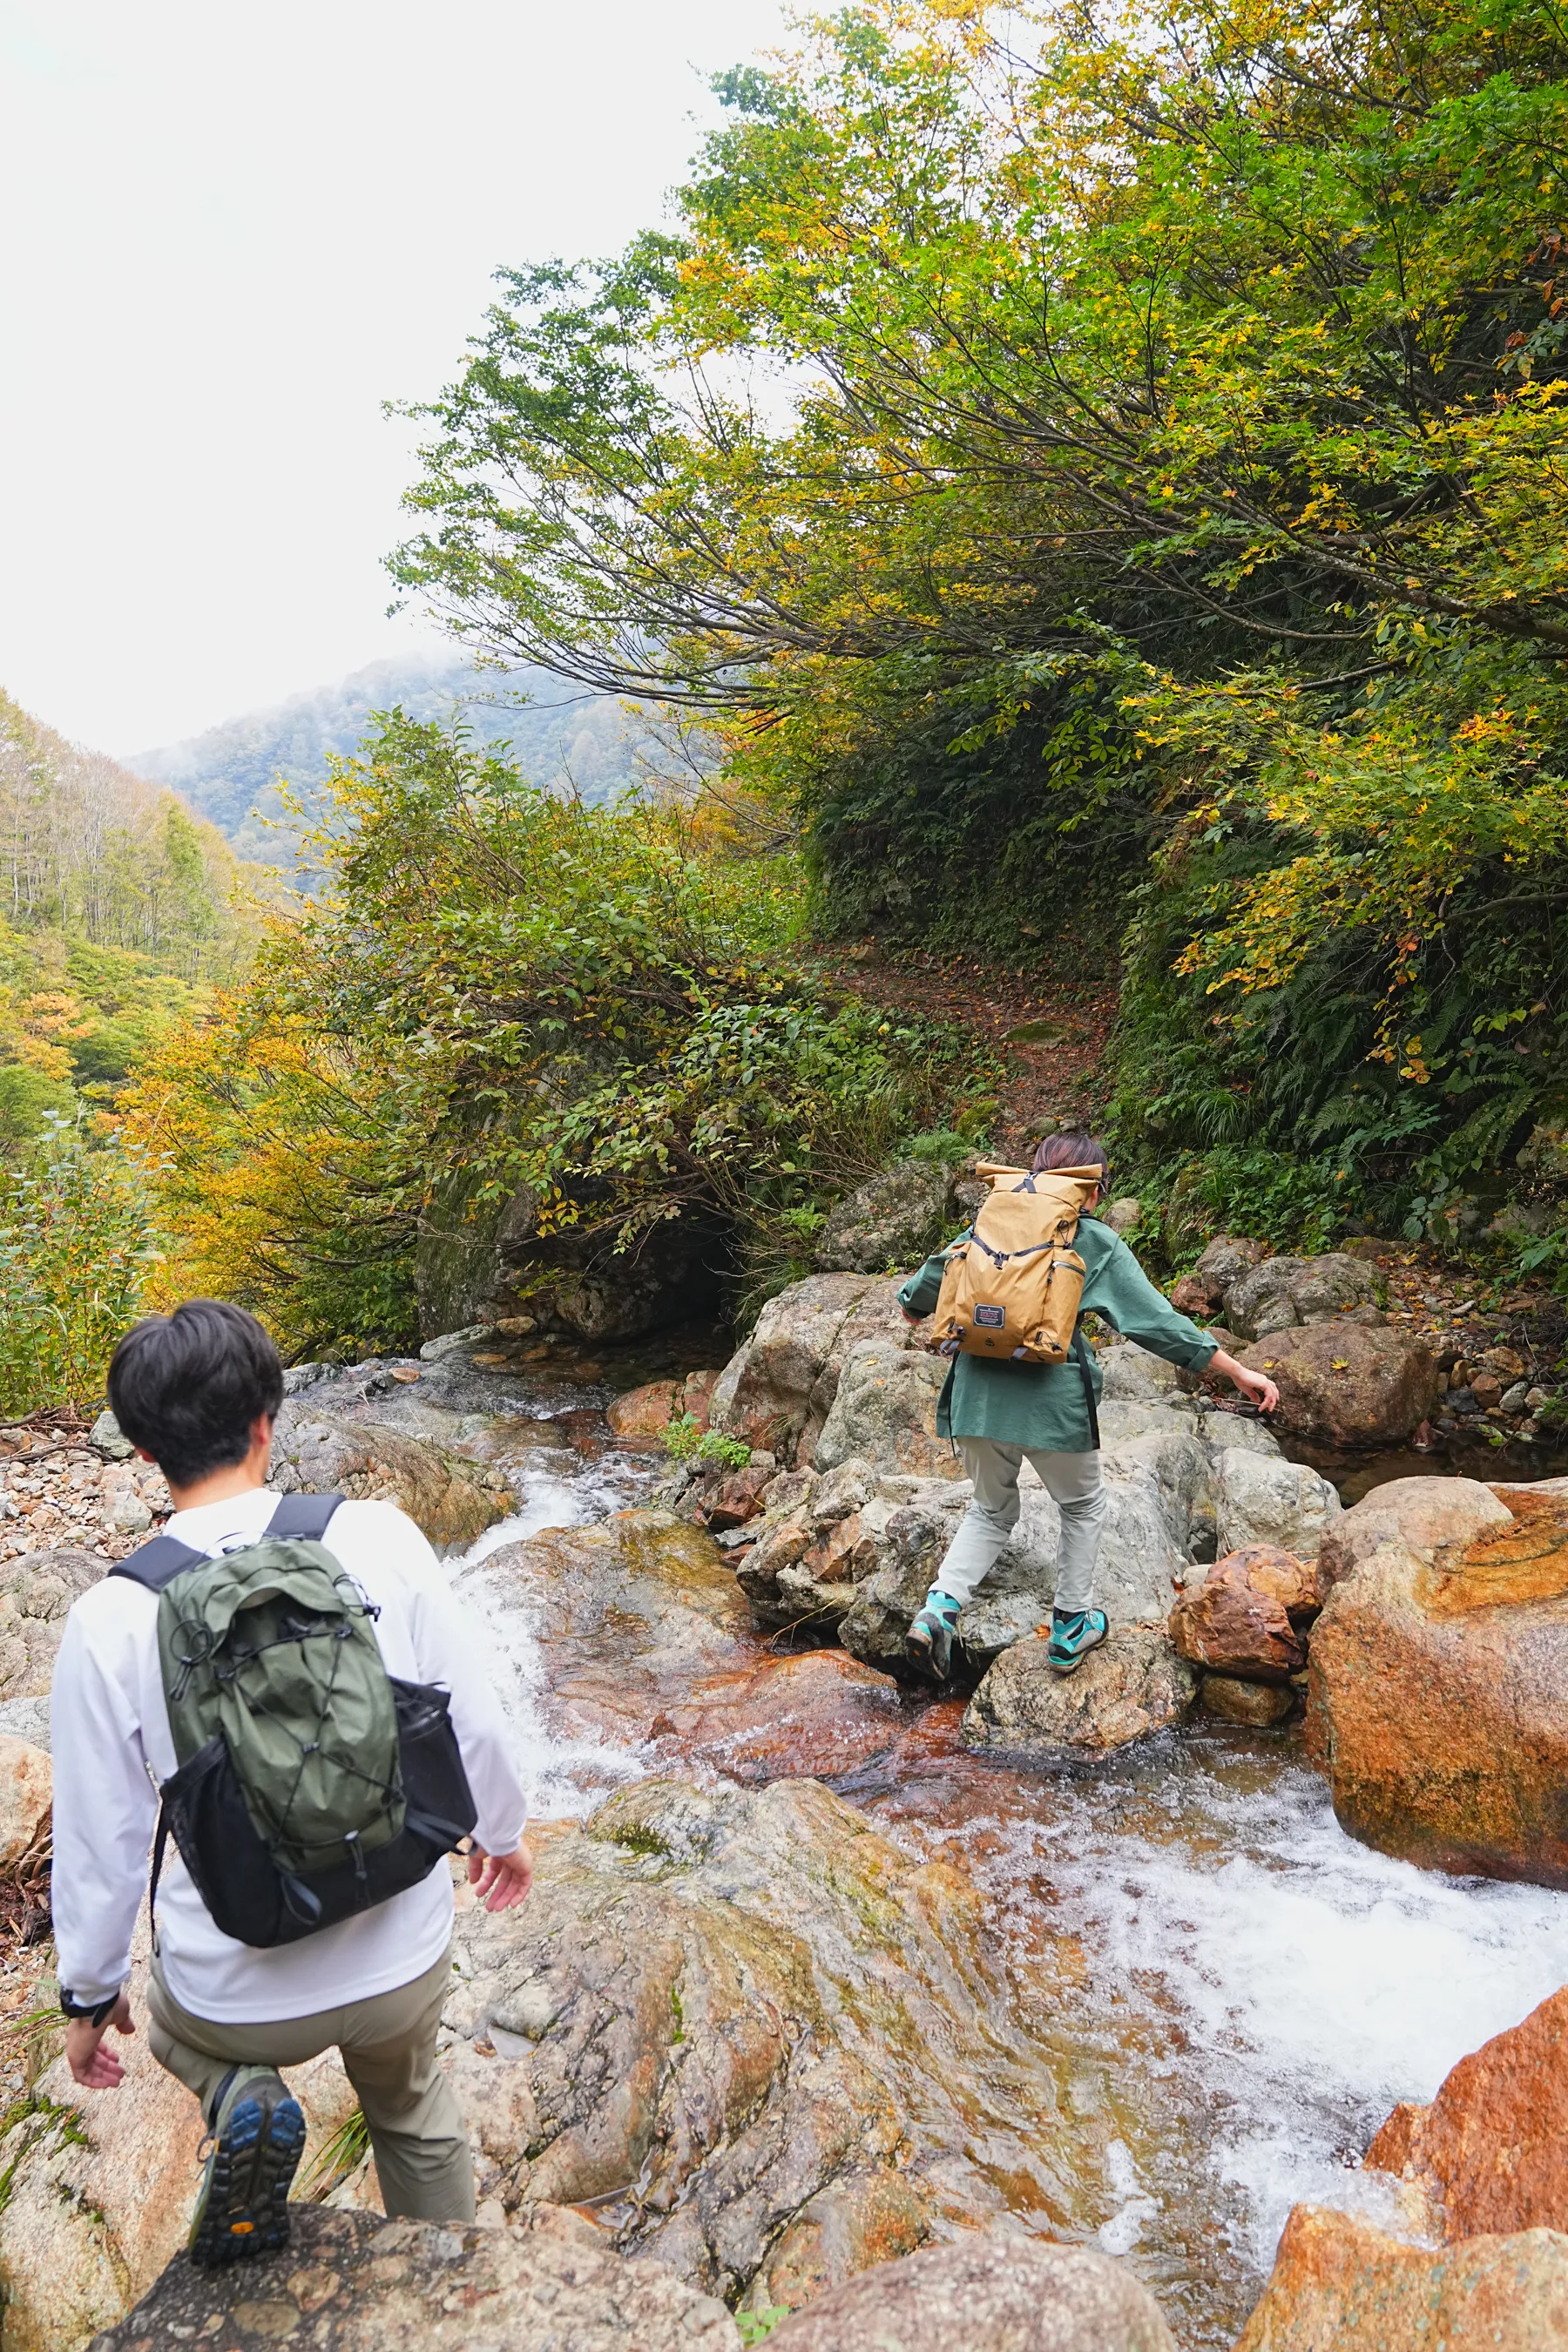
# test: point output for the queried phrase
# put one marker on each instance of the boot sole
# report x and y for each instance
(245, 2199)
(922, 1656)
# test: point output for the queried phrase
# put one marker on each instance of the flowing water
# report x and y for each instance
(1236, 1992)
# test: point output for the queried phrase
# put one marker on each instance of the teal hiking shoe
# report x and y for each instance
(927, 1645)
(258, 2138)
(1074, 1634)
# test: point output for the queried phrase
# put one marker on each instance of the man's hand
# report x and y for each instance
(499, 1880)
(94, 2066)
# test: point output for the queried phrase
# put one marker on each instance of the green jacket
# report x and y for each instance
(1043, 1405)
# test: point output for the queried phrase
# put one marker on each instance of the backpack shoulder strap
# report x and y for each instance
(157, 1563)
(302, 1516)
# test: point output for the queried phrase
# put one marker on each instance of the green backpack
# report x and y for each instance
(311, 1783)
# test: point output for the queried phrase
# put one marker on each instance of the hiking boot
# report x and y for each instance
(1074, 1634)
(927, 1645)
(257, 2135)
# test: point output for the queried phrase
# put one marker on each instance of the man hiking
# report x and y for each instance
(359, 1740)
(1001, 1412)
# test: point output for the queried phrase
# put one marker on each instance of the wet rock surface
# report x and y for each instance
(1437, 1701)
(1258, 1706)
(1348, 1384)
(1132, 1685)
(1339, 2283)
(354, 2283)
(759, 2034)
(994, 2294)
(637, 1609)
(1487, 2154)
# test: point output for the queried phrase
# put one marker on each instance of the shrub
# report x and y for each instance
(76, 1249)
(684, 1442)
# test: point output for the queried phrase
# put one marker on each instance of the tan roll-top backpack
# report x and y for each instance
(1013, 1283)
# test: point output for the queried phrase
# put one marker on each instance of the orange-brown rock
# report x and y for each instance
(1348, 1383)
(1437, 1700)
(1259, 1705)
(1489, 2151)
(1423, 1514)
(697, 1394)
(1191, 1296)
(1341, 2285)
(644, 1412)
(1247, 1615)
(804, 1717)
(738, 1500)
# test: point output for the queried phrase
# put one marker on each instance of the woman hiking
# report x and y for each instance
(1000, 1412)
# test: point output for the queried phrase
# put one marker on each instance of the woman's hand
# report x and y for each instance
(1257, 1385)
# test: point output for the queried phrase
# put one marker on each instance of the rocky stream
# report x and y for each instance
(822, 1969)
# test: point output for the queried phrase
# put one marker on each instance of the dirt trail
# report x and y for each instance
(1051, 1032)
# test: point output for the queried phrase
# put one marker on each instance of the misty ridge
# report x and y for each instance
(235, 774)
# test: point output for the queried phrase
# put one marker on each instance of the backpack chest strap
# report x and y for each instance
(300, 1517)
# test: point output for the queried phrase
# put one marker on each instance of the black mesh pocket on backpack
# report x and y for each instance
(255, 1902)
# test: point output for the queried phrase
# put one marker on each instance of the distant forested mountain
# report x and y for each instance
(558, 735)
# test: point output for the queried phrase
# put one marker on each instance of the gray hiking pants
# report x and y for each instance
(388, 2046)
(1073, 1481)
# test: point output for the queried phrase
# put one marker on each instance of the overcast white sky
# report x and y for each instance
(227, 234)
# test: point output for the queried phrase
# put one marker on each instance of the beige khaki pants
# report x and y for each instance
(388, 2046)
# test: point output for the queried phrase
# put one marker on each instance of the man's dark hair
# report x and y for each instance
(188, 1387)
(1072, 1152)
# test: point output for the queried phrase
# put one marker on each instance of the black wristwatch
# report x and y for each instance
(100, 2012)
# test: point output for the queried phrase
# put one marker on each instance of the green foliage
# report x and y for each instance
(598, 1021)
(1160, 484)
(685, 1441)
(340, 2153)
(756, 2327)
(77, 1250)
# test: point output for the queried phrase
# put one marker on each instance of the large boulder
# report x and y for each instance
(1249, 1615)
(884, 1410)
(1133, 1684)
(891, 1222)
(764, 2041)
(987, 2294)
(1341, 2284)
(1488, 2153)
(1227, 1261)
(1263, 1500)
(1348, 1384)
(1438, 1699)
(36, 1590)
(449, 1498)
(1423, 1514)
(778, 1389)
(1285, 1291)
(354, 2282)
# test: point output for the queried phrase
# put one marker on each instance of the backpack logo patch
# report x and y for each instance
(991, 1318)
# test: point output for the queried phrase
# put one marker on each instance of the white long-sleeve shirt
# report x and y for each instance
(110, 1737)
